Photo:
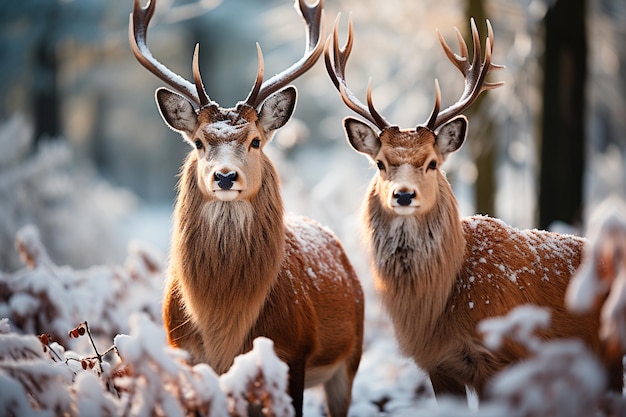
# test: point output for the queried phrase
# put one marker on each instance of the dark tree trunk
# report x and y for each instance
(45, 93)
(563, 130)
(483, 147)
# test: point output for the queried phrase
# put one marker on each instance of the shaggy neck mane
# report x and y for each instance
(226, 254)
(416, 261)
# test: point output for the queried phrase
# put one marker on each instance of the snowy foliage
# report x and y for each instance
(146, 378)
(251, 375)
(544, 384)
(38, 299)
(603, 272)
(70, 207)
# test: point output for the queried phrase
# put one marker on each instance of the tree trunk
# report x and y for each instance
(46, 99)
(483, 147)
(563, 130)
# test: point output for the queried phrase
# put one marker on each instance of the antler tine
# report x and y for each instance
(312, 16)
(254, 92)
(433, 115)
(202, 95)
(137, 34)
(474, 74)
(461, 62)
(337, 70)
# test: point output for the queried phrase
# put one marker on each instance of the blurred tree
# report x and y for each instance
(31, 32)
(563, 129)
(483, 145)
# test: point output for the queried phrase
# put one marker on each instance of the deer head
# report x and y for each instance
(228, 141)
(408, 160)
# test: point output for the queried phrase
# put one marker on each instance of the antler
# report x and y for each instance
(137, 35)
(337, 72)
(474, 74)
(312, 16)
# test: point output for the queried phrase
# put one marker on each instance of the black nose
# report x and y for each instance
(225, 181)
(404, 198)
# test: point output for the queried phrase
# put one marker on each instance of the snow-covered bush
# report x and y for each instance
(258, 378)
(146, 378)
(47, 298)
(76, 213)
(602, 272)
(561, 377)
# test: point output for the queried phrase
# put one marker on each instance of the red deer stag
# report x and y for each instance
(240, 268)
(438, 274)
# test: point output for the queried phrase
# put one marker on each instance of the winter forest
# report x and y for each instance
(88, 174)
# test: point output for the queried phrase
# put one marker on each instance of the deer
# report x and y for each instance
(239, 266)
(438, 274)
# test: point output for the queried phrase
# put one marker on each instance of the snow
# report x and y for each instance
(520, 324)
(259, 366)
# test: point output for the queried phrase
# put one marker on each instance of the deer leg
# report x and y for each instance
(616, 375)
(296, 384)
(338, 391)
(443, 384)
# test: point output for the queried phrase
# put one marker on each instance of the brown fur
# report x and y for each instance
(439, 275)
(242, 269)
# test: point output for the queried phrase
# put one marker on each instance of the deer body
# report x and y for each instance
(440, 275)
(239, 267)
(240, 270)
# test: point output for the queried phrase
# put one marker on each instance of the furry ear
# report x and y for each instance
(451, 135)
(177, 112)
(361, 137)
(277, 109)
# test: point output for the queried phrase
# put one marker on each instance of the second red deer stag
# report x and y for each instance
(439, 275)
(239, 268)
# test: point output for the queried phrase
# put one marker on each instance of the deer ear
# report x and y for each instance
(451, 135)
(176, 111)
(361, 136)
(277, 109)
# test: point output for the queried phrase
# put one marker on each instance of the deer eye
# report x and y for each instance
(256, 143)
(199, 144)
(432, 165)
(380, 165)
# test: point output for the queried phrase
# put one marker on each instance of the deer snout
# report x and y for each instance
(226, 183)
(404, 200)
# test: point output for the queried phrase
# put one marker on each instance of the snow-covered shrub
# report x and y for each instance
(30, 382)
(76, 213)
(602, 271)
(560, 378)
(160, 383)
(258, 378)
(146, 378)
(46, 298)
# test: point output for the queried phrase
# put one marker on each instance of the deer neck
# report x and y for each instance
(416, 261)
(227, 256)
